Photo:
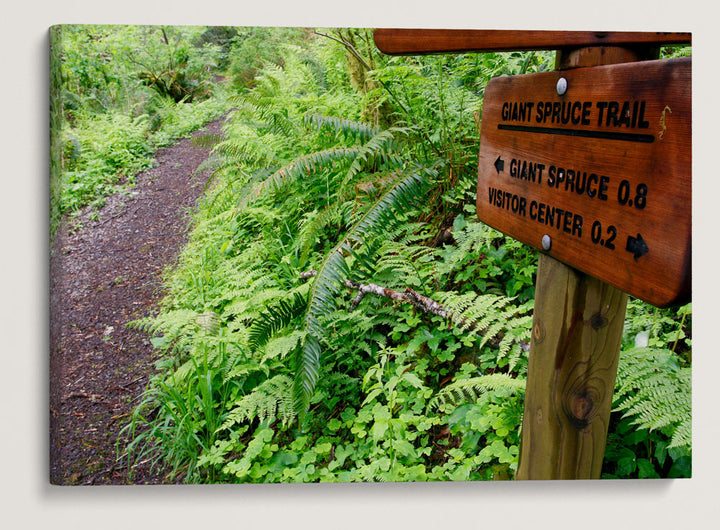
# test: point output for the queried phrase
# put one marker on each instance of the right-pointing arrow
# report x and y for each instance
(499, 164)
(636, 246)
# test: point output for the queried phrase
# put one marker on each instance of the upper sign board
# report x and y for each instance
(593, 166)
(404, 41)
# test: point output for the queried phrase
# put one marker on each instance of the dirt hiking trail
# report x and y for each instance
(102, 276)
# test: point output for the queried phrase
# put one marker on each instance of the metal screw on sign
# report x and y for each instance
(546, 242)
(561, 86)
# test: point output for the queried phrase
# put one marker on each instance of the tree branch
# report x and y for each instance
(419, 301)
(410, 296)
(349, 47)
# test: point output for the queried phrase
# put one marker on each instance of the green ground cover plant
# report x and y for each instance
(339, 314)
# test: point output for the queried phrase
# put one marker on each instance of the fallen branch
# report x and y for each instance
(126, 385)
(122, 212)
(421, 302)
(72, 395)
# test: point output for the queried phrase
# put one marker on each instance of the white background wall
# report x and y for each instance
(26, 498)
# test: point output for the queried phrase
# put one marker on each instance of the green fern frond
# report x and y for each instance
(374, 183)
(495, 320)
(252, 149)
(176, 327)
(311, 226)
(486, 314)
(307, 367)
(282, 346)
(208, 321)
(376, 149)
(473, 237)
(682, 437)
(270, 400)
(247, 306)
(654, 390)
(275, 318)
(297, 169)
(222, 198)
(266, 114)
(245, 290)
(471, 389)
(402, 260)
(279, 122)
(252, 104)
(243, 369)
(516, 342)
(457, 303)
(402, 196)
(350, 128)
(212, 164)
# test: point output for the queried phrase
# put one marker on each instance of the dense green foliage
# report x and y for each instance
(341, 169)
(118, 93)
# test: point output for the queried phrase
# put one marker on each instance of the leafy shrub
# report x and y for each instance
(111, 146)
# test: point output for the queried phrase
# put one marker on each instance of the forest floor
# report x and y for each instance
(105, 273)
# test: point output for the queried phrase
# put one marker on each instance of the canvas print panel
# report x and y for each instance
(267, 266)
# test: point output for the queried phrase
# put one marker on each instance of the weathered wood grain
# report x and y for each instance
(577, 330)
(396, 41)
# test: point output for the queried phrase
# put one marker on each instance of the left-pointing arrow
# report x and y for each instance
(499, 164)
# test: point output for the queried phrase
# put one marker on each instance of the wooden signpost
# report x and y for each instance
(591, 165)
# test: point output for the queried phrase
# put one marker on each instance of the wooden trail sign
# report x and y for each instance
(593, 167)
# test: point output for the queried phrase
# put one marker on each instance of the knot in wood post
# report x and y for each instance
(577, 330)
(582, 403)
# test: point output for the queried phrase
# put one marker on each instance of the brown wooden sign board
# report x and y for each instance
(402, 41)
(603, 169)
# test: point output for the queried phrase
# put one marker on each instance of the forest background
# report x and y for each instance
(622, 503)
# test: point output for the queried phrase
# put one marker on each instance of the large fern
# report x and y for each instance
(334, 269)
(351, 129)
(376, 149)
(270, 400)
(656, 391)
(266, 112)
(302, 167)
(246, 145)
